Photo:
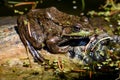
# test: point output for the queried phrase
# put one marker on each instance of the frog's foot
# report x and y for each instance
(63, 49)
(57, 49)
(52, 44)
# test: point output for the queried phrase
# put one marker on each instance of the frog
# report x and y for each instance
(50, 27)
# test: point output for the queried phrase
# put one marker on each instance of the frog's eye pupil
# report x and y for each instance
(77, 27)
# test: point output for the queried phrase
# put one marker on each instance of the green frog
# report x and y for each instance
(50, 27)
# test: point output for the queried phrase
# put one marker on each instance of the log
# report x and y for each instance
(10, 43)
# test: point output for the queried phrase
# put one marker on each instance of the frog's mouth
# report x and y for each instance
(80, 34)
(75, 38)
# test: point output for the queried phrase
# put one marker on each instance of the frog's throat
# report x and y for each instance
(81, 33)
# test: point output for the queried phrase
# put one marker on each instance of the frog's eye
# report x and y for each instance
(77, 27)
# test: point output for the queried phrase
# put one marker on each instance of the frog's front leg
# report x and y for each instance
(53, 46)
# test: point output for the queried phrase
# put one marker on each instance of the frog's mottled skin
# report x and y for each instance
(47, 27)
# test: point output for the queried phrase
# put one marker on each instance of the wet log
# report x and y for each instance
(10, 43)
(8, 36)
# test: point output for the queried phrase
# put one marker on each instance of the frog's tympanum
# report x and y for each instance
(47, 27)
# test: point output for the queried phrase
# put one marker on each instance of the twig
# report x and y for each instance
(29, 57)
(91, 40)
(27, 50)
(27, 3)
(90, 74)
(100, 41)
(114, 12)
(80, 70)
(60, 65)
(29, 31)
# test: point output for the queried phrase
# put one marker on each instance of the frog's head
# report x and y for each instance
(78, 30)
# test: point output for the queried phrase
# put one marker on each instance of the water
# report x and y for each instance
(69, 6)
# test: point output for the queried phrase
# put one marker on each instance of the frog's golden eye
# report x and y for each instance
(77, 27)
